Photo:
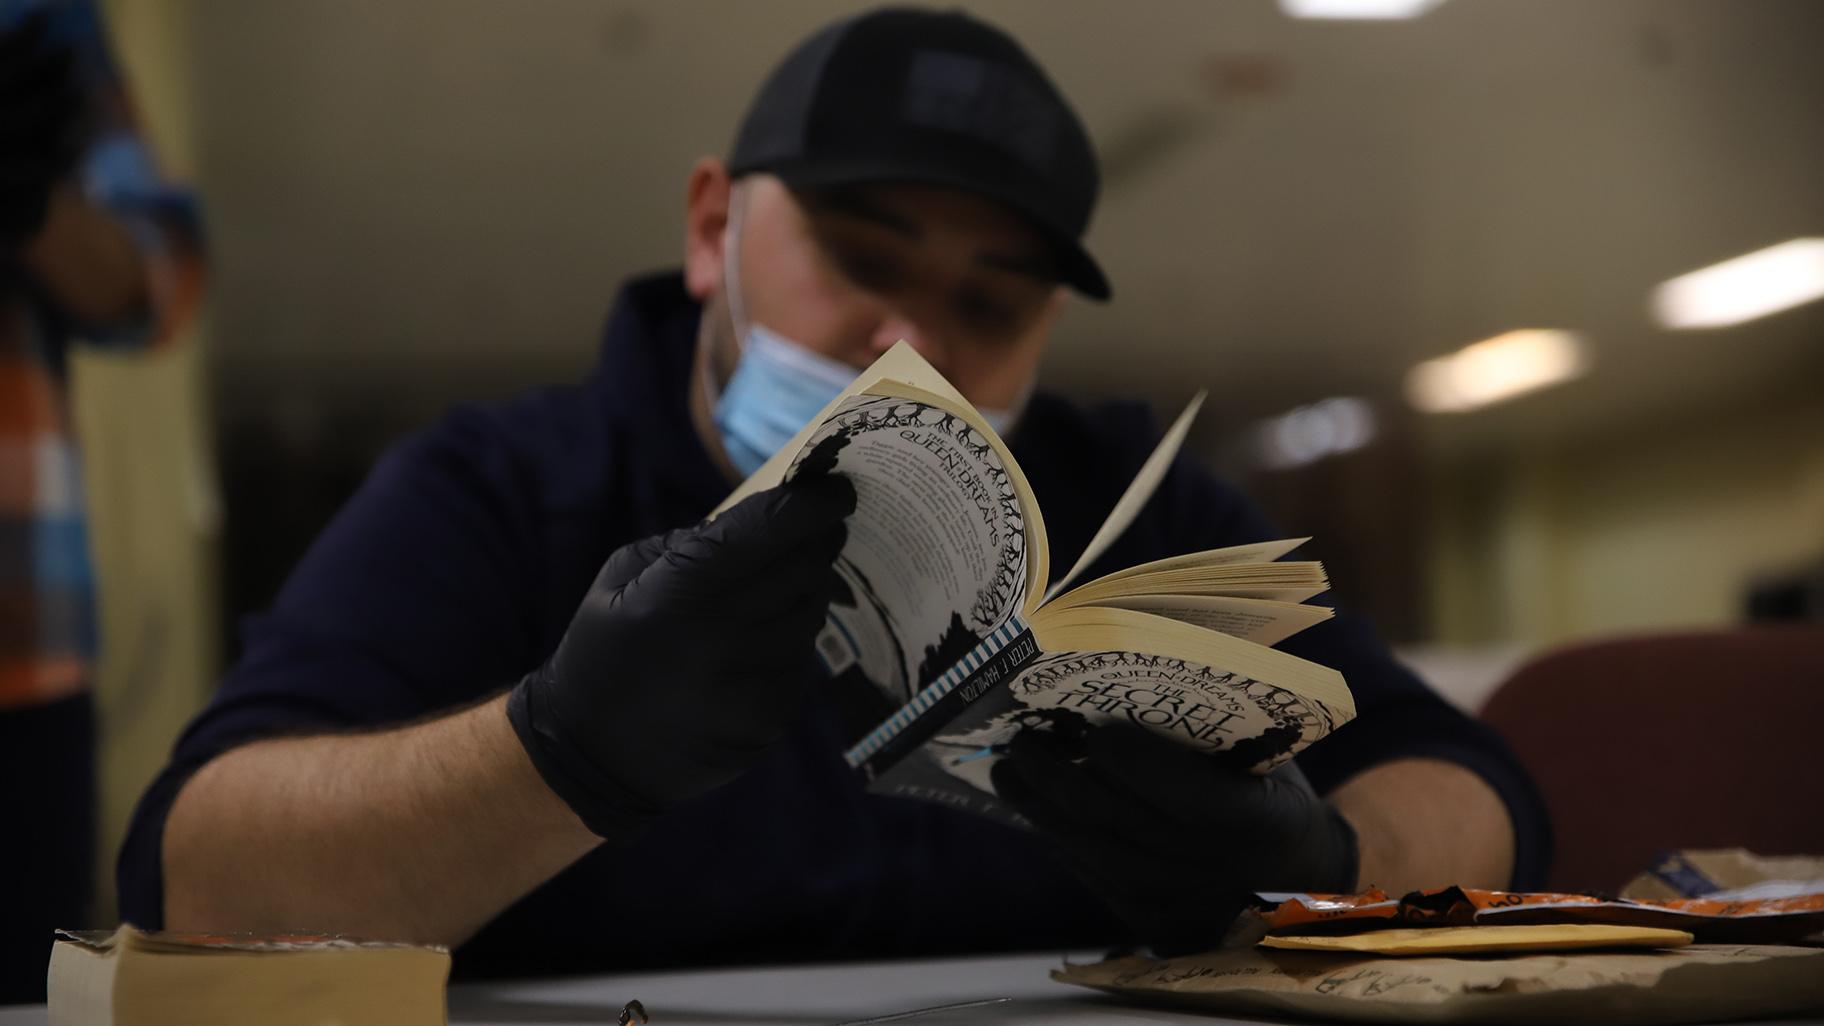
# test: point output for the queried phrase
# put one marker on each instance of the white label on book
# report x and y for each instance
(836, 651)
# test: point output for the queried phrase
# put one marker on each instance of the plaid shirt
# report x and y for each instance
(47, 620)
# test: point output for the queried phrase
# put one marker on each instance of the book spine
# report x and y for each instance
(989, 665)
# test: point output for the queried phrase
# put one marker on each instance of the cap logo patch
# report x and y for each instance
(989, 102)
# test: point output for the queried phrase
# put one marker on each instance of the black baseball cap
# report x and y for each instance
(902, 94)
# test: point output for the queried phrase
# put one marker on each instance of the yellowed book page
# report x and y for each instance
(1273, 594)
(1099, 593)
(900, 363)
(351, 987)
(1258, 552)
(1203, 581)
(1144, 484)
(1258, 620)
(1283, 572)
(1099, 629)
(1487, 940)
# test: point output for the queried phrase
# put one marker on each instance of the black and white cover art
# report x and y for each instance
(1245, 723)
(936, 555)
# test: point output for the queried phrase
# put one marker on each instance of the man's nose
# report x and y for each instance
(928, 344)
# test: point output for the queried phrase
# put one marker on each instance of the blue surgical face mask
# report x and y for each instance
(778, 385)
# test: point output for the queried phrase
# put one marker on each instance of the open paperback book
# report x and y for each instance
(947, 612)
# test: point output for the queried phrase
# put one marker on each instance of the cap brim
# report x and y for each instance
(1076, 267)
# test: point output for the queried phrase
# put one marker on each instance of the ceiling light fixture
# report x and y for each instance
(1310, 433)
(1496, 369)
(1744, 288)
(1357, 10)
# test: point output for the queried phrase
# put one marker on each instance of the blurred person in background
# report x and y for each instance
(94, 246)
(519, 698)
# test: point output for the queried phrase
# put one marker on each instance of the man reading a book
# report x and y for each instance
(520, 698)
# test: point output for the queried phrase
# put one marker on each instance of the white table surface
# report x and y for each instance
(812, 995)
(815, 995)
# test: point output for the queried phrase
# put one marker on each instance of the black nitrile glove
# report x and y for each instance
(687, 659)
(1175, 841)
(40, 113)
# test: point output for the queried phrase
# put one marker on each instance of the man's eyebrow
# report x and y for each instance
(853, 203)
(849, 203)
(1032, 266)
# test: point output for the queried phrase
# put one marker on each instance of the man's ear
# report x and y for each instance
(1053, 308)
(705, 220)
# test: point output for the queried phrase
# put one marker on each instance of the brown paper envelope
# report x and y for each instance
(1697, 983)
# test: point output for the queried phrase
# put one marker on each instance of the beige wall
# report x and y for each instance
(1643, 531)
(154, 526)
(154, 517)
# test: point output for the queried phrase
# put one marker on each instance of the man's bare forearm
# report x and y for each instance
(423, 833)
(1427, 823)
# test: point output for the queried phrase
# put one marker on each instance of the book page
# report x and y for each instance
(1104, 629)
(1256, 620)
(1230, 580)
(1270, 593)
(936, 556)
(1144, 484)
(1257, 552)
(1038, 546)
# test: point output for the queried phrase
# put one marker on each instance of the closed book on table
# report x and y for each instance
(129, 977)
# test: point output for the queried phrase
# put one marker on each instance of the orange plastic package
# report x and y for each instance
(1710, 919)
